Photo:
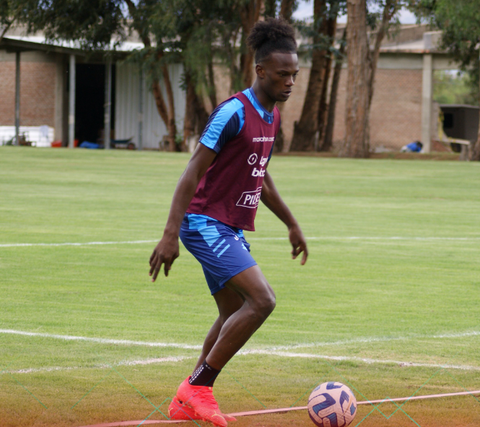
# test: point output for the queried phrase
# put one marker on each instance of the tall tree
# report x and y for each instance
(323, 106)
(362, 65)
(156, 56)
(325, 15)
(358, 56)
(250, 14)
(327, 142)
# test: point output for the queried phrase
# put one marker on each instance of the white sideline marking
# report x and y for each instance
(102, 340)
(136, 242)
(177, 359)
(279, 351)
(103, 366)
(133, 242)
(273, 349)
(357, 359)
(373, 340)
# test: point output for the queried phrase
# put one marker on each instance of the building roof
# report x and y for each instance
(429, 43)
(15, 43)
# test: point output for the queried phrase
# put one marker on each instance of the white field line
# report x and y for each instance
(365, 340)
(136, 242)
(279, 351)
(357, 359)
(102, 340)
(150, 361)
(133, 242)
(284, 354)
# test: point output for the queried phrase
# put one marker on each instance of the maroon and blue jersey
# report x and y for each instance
(242, 133)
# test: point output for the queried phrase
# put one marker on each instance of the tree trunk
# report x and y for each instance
(356, 118)
(167, 114)
(286, 9)
(171, 125)
(306, 128)
(322, 106)
(389, 11)
(250, 14)
(328, 140)
(475, 155)
(212, 90)
(189, 119)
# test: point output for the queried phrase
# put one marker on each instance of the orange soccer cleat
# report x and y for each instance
(202, 401)
(180, 411)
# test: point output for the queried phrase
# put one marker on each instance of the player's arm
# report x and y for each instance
(167, 249)
(273, 201)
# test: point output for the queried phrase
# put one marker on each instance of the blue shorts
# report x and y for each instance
(222, 250)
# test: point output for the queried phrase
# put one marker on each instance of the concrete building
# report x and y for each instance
(36, 80)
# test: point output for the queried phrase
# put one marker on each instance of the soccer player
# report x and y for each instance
(216, 198)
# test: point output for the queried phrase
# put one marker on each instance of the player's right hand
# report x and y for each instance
(166, 252)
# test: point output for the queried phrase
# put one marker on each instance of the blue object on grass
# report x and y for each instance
(92, 145)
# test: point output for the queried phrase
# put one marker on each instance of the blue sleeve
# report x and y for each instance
(224, 123)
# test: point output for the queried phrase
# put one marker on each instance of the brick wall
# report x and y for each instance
(395, 115)
(37, 89)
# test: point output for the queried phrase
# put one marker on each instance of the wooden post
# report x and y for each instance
(108, 104)
(17, 98)
(427, 94)
(140, 110)
(71, 108)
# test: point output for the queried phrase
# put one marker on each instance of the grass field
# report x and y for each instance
(388, 303)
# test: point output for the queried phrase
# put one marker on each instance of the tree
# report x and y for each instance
(323, 35)
(8, 15)
(362, 66)
(358, 58)
(459, 21)
(339, 58)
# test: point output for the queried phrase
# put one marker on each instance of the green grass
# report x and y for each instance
(387, 303)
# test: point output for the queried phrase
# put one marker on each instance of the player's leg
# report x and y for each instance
(228, 302)
(258, 302)
(236, 324)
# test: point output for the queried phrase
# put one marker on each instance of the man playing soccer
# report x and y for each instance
(216, 198)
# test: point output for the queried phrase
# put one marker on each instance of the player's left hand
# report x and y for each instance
(299, 244)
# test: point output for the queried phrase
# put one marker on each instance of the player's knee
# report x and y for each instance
(265, 305)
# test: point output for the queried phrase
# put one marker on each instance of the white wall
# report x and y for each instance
(127, 93)
(37, 135)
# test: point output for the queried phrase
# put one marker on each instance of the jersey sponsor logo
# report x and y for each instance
(250, 199)
(252, 159)
(258, 172)
(264, 139)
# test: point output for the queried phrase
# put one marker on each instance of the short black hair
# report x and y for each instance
(271, 35)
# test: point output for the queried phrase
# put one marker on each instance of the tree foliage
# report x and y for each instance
(322, 33)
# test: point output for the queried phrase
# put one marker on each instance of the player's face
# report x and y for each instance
(277, 75)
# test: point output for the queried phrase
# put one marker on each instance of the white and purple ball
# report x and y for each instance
(332, 404)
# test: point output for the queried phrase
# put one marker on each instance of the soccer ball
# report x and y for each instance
(332, 404)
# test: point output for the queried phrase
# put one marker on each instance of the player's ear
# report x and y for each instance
(260, 71)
